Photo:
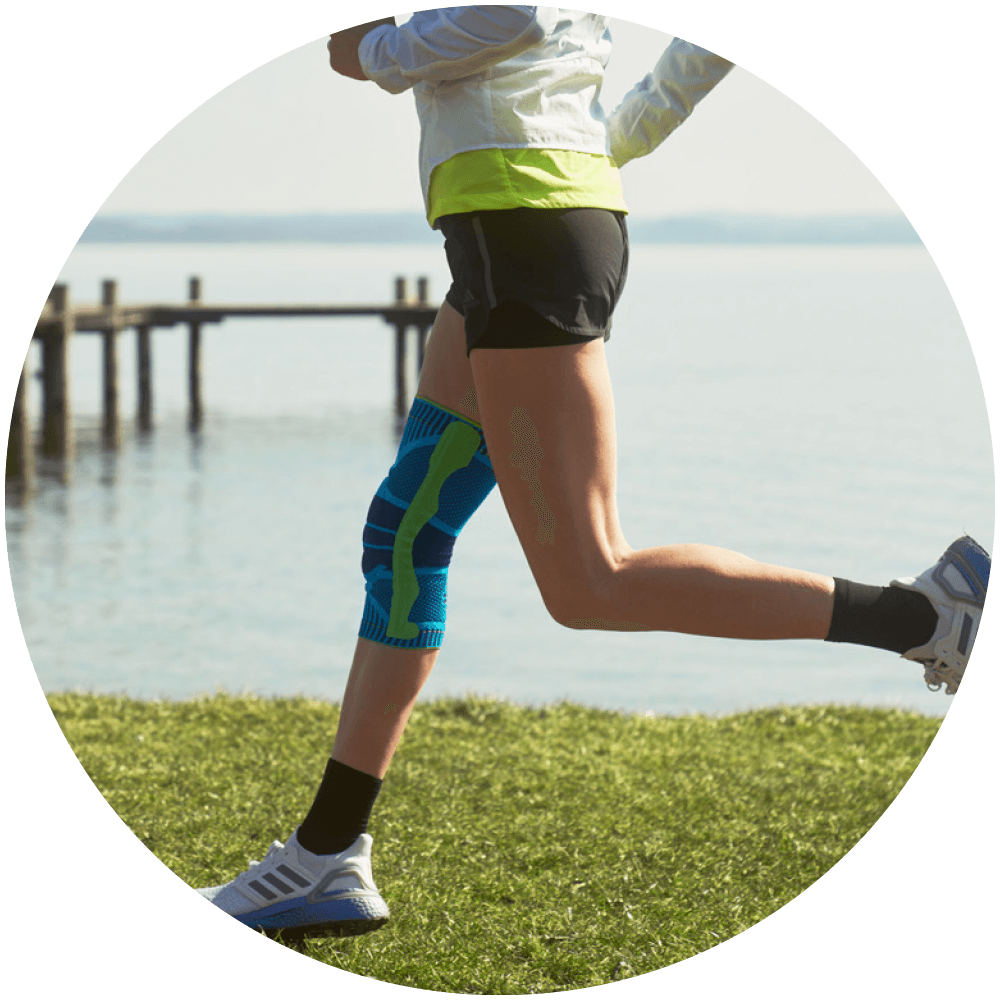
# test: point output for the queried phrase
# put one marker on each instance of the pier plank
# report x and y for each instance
(60, 320)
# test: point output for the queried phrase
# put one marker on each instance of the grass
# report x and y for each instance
(520, 850)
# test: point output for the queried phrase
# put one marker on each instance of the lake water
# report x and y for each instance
(813, 406)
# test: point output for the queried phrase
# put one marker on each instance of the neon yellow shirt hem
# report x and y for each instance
(492, 179)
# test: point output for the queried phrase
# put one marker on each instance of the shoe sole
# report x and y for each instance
(334, 928)
(343, 917)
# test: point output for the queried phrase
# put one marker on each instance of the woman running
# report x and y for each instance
(519, 170)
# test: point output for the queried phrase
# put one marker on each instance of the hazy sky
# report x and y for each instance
(295, 137)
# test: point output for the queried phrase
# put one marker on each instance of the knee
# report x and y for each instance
(581, 600)
(440, 477)
(603, 619)
(592, 594)
(562, 612)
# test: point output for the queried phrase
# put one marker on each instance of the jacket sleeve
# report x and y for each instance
(447, 44)
(654, 107)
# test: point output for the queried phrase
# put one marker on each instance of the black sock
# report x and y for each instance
(885, 617)
(340, 811)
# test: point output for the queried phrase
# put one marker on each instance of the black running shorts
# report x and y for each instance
(532, 277)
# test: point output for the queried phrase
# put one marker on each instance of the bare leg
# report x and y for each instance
(548, 419)
(381, 691)
(588, 574)
(711, 591)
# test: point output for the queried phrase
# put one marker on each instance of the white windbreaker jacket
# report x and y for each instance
(515, 77)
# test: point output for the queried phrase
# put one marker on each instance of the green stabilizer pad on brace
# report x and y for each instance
(454, 451)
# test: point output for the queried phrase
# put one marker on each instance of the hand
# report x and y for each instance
(343, 48)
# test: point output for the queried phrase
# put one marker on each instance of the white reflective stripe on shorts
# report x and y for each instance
(477, 228)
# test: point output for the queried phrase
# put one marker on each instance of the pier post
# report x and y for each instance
(401, 390)
(112, 425)
(422, 329)
(57, 421)
(144, 378)
(194, 360)
(19, 456)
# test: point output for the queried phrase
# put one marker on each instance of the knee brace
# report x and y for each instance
(441, 475)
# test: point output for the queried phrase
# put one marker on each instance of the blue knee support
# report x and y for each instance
(441, 475)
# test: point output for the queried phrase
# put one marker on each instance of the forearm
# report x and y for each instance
(664, 99)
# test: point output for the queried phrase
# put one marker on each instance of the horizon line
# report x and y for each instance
(329, 213)
(412, 227)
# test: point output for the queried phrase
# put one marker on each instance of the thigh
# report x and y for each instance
(548, 420)
(446, 378)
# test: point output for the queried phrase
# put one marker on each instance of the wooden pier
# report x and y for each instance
(60, 321)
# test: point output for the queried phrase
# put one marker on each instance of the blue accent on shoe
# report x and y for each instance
(294, 914)
(977, 558)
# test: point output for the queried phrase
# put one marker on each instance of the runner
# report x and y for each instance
(519, 170)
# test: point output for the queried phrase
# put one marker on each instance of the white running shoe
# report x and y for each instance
(301, 893)
(956, 587)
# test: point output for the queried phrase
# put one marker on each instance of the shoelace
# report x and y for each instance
(271, 851)
(937, 673)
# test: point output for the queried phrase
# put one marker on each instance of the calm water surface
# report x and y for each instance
(818, 407)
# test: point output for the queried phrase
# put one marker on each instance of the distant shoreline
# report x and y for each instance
(411, 227)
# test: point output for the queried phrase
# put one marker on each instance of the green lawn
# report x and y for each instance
(519, 850)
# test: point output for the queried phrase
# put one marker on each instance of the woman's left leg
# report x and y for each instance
(548, 419)
(438, 480)
(385, 681)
